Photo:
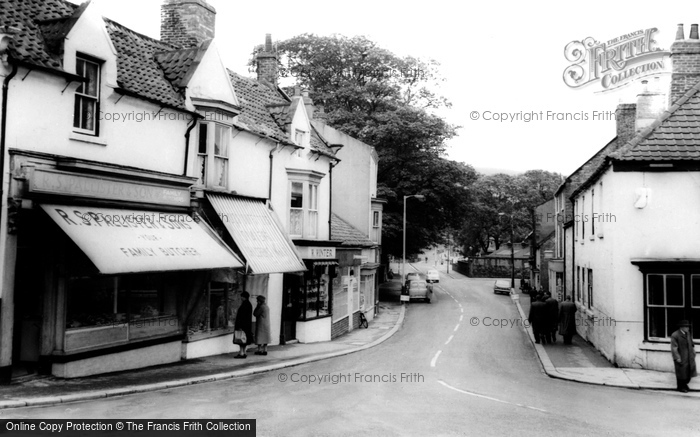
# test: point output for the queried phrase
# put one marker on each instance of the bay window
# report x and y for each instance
(304, 205)
(212, 155)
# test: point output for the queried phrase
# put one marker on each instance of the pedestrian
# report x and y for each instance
(262, 326)
(537, 318)
(567, 320)
(244, 322)
(552, 317)
(683, 352)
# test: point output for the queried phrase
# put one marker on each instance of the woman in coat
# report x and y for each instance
(244, 321)
(262, 326)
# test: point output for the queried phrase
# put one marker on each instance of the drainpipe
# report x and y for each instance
(3, 128)
(331, 164)
(187, 142)
(269, 186)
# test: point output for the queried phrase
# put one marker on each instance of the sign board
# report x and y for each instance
(133, 241)
(312, 252)
(50, 181)
(405, 298)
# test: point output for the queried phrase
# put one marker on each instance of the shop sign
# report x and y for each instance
(48, 181)
(317, 252)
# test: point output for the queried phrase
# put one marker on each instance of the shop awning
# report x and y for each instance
(325, 263)
(135, 241)
(255, 230)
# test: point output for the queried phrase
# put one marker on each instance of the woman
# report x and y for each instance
(262, 326)
(244, 321)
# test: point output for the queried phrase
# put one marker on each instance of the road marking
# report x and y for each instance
(489, 397)
(449, 339)
(461, 317)
(461, 310)
(432, 363)
(456, 328)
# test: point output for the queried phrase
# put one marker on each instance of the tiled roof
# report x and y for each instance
(177, 64)
(28, 16)
(255, 100)
(43, 24)
(675, 136)
(137, 69)
(349, 235)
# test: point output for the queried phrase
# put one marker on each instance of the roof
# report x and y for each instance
(269, 112)
(44, 24)
(675, 136)
(348, 234)
(179, 65)
(257, 100)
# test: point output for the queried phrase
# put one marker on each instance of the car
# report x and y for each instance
(501, 286)
(419, 289)
(433, 277)
(412, 276)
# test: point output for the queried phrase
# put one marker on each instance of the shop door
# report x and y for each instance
(28, 298)
(291, 307)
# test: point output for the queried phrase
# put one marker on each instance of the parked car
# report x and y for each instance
(419, 289)
(433, 277)
(412, 276)
(502, 286)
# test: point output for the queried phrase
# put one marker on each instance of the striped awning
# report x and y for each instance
(256, 231)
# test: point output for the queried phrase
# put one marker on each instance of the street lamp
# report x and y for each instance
(403, 265)
(512, 256)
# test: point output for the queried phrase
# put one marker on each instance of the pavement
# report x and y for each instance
(49, 390)
(581, 362)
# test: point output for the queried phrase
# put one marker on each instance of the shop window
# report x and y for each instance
(87, 97)
(340, 300)
(213, 155)
(366, 292)
(315, 298)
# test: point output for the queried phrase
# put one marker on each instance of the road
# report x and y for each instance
(462, 375)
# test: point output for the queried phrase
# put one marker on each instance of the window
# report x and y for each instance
(315, 299)
(367, 290)
(313, 211)
(666, 304)
(593, 216)
(590, 288)
(296, 210)
(212, 155)
(87, 97)
(578, 284)
(340, 300)
(299, 137)
(583, 215)
(304, 208)
(375, 226)
(576, 221)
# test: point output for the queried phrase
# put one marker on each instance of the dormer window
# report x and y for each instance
(87, 97)
(212, 156)
(299, 137)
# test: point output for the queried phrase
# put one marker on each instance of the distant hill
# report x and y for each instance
(492, 170)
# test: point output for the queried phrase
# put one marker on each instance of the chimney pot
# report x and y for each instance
(268, 42)
(680, 35)
(266, 62)
(693, 31)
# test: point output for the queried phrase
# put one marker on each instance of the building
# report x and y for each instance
(542, 250)
(104, 253)
(635, 260)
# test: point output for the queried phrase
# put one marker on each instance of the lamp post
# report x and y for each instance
(403, 265)
(512, 256)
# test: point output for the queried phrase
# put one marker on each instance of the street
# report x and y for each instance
(461, 365)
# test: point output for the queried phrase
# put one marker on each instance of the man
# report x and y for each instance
(567, 320)
(683, 352)
(537, 319)
(552, 317)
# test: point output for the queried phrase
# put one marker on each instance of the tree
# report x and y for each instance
(386, 101)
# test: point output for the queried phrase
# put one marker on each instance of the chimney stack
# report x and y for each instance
(685, 63)
(651, 103)
(266, 61)
(625, 115)
(187, 23)
(308, 104)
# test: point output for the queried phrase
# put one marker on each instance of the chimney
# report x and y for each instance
(685, 63)
(267, 63)
(186, 23)
(308, 104)
(651, 103)
(625, 115)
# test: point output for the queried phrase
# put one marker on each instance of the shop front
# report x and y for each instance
(107, 264)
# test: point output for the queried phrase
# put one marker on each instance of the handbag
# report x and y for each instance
(239, 337)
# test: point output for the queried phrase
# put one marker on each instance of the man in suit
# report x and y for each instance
(537, 319)
(567, 320)
(552, 317)
(683, 352)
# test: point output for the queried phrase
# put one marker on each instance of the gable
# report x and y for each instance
(210, 80)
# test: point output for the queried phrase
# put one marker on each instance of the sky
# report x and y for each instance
(504, 57)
